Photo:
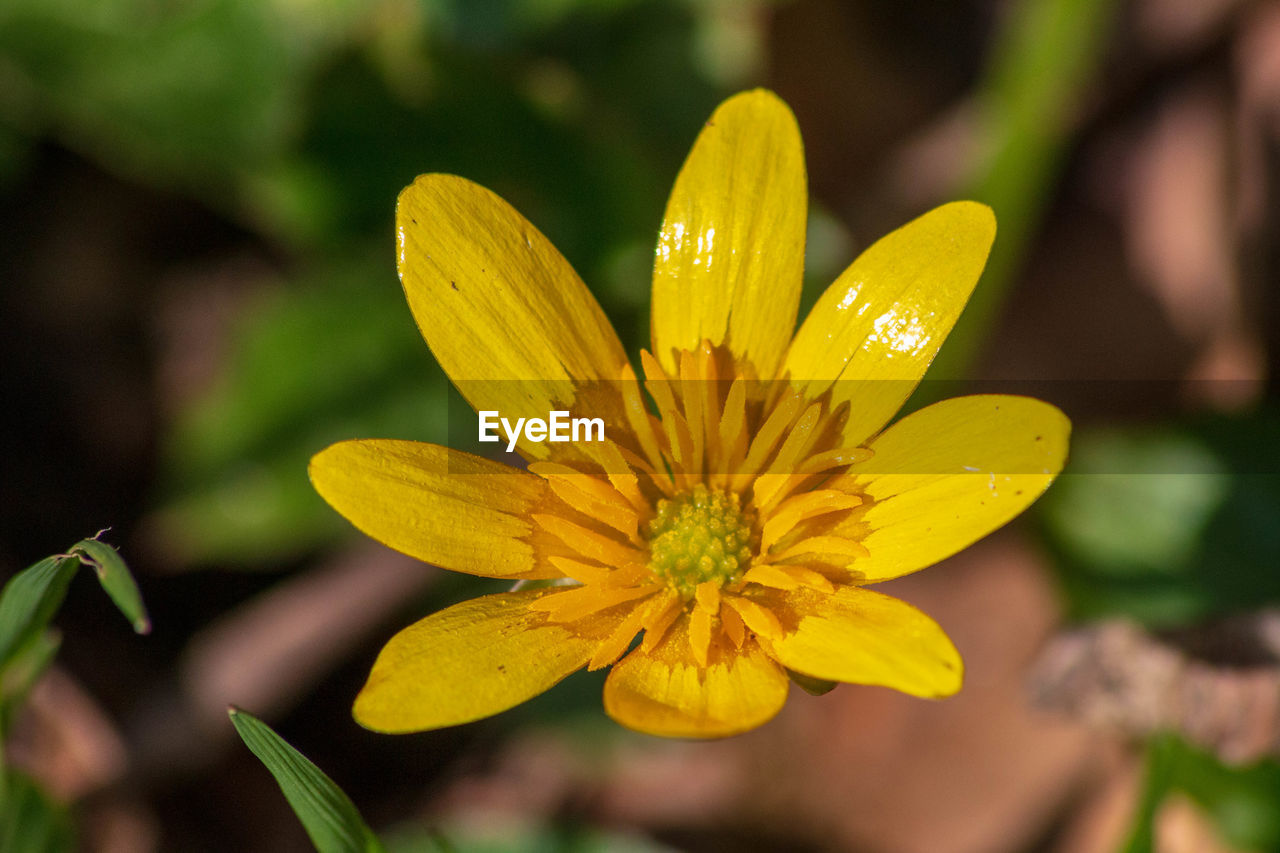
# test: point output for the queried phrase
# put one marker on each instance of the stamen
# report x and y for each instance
(699, 536)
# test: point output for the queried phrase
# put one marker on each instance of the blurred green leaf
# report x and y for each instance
(1156, 784)
(329, 816)
(185, 93)
(19, 674)
(29, 821)
(1169, 524)
(533, 837)
(418, 840)
(1244, 802)
(331, 358)
(329, 347)
(809, 684)
(1136, 504)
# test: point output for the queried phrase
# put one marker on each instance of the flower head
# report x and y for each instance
(724, 535)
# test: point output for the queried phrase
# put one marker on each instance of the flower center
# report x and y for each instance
(697, 536)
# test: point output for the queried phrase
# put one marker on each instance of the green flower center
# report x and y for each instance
(699, 535)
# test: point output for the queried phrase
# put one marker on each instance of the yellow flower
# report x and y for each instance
(735, 531)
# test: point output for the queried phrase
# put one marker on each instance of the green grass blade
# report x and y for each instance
(327, 814)
(1156, 785)
(116, 579)
(1042, 66)
(30, 599)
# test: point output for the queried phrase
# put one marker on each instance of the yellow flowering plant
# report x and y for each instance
(722, 537)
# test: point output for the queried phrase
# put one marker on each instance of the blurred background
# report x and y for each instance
(199, 293)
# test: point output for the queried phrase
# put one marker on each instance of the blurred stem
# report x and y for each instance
(1160, 760)
(1041, 63)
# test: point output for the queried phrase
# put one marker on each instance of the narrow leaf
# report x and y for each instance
(1155, 787)
(29, 601)
(328, 815)
(116, 579)
(31, 597)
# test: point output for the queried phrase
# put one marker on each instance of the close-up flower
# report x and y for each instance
(630, 553)
(721, 537)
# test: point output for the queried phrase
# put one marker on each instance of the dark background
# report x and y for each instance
(199, 292)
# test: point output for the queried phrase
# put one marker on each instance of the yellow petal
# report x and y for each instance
(707, 595)
(731, 252)
(951, 473)
(875, 331)
(770, 576)
(734, 628)
(759, 619)
(862, 637)
(700, 635)
(588, 543)
(440, 505)
(506, 316)
(662, 611)
(575, 602)
(470, 661)
(797, 508)
(616, 644)
(809, 577)
(665, 692)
